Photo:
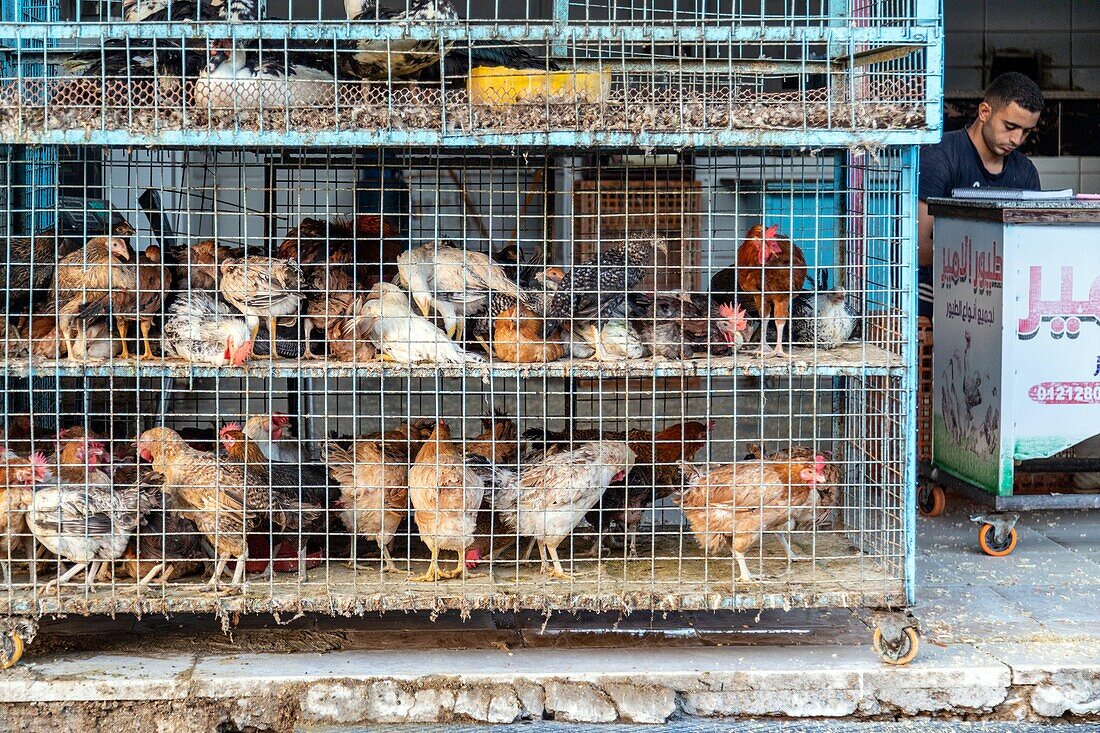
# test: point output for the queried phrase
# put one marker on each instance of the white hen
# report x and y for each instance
(404, 336)
(455, 282)
(553, 495)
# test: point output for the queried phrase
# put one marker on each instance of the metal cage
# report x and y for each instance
(475, 315)
(850, 404)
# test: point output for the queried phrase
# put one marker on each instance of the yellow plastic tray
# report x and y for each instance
(499, 85)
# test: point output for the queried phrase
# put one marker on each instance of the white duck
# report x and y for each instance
(403, 336)
(202, 329)
(239, 79)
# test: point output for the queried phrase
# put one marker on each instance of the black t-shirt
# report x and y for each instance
(954, 163)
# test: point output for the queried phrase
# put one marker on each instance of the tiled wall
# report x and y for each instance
(1080, 174)
(1066, 32)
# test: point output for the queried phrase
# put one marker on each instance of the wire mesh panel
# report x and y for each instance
(429, 73)
(313, 379)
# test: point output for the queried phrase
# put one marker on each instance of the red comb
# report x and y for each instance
(771, 231)
(229, 427)
(38, 459)
(819, 462)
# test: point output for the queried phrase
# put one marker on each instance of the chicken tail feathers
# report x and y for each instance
(99, 306)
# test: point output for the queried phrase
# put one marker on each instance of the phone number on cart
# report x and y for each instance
(1066, 393)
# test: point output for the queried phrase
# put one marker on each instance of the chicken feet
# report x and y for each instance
(557, 571)
(434, 572)
(120, 324)
(145, 327)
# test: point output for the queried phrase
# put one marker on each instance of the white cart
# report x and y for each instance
(1016, 365)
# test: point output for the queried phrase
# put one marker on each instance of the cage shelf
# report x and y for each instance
(854, 359)
(838, 577)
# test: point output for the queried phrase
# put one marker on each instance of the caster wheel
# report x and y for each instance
(11, 649)
(987, 539)
(899, 651)
(931, 501)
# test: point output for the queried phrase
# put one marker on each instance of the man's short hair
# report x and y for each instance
(1013, 86)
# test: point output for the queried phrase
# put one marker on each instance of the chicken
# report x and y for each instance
(770, 269)
(553, 495)
(615, 341)
(819, 511)
(18, 434)
(198, 266)
(30, 261)
(489, 454)
(396, 58)
(275, 439)
(154, 11)
(97, 270)
(366, 247)
(164, 544)
(348, 336)
(297, 480)
(497, 443)
(724, 289)
(202, 329)
(18, 477)
(600, 283)
(730, 328)
(446, 496)
(456, 282)
(482, 326)
(330, 296)
(91, 342)
(225, 501)
(655, 475)
(730, 506)
(79, 458)
(142, 302)
(517, 338)
(403, 336)
(263, 287)
(301, 485)
(86, 523)
(373, 474)
(824, 319)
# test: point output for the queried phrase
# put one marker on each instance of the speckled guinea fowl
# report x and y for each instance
(602, 281)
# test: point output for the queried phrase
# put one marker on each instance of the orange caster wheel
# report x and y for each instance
(931, 500)
(987, 539)
(11, 649)
(897, 651)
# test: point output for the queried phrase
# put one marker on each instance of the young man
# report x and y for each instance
(984, 154)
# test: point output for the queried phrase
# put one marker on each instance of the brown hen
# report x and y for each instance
(730, 506)
(446, 496)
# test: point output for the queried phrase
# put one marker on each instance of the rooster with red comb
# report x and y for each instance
(770, 269)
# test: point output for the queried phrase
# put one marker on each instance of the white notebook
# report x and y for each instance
(989, 193)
